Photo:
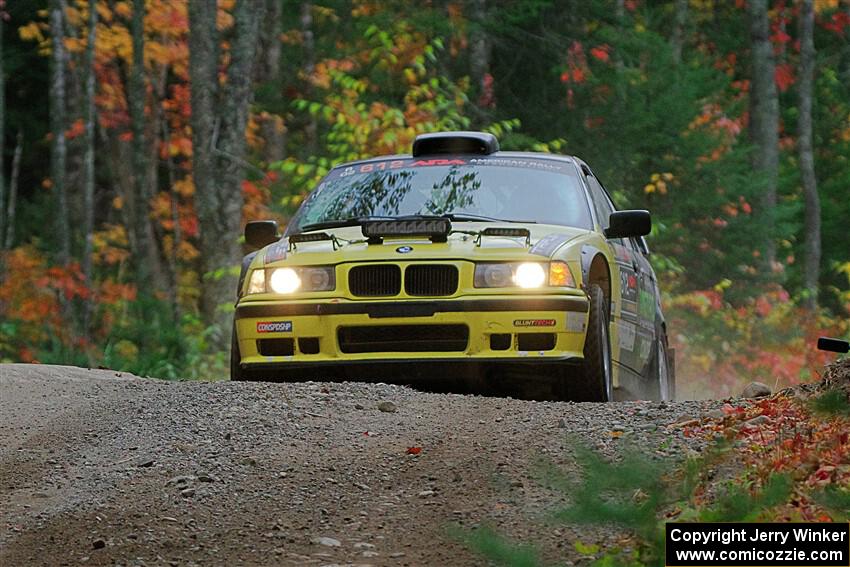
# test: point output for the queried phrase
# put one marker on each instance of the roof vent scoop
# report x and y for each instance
(455, 143)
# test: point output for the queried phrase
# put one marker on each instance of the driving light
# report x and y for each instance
(284, 280)
(529, 275)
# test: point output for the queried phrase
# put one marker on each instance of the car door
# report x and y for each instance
(631, 340)
(648, 301)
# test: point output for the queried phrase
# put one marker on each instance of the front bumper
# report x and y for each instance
(491, 329)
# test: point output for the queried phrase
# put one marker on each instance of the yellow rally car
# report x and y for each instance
(460, 260)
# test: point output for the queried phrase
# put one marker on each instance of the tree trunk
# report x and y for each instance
(680, 20)
(479, 57)
(136, 95)
(88, 163)
(268, 68)
(231, 154)
(271, 127)
(764, 120)
(218, 139)
(811, 271)
(2, 134)
(177, 233)
(13, 190)
(203, 81)
(58, 149)
(311, 131)
(844, 71)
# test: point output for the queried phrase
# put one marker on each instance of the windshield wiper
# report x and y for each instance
(469, 217)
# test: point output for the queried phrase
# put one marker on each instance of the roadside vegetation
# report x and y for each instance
(778, 459)
(728, 120)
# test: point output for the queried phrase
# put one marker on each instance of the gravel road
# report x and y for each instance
(104, 468)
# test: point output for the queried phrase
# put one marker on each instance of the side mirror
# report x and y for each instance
(626, 224)
(261, 233)
(833, 345)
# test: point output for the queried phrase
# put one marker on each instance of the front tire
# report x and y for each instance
(237, 373)
(665, 379)
(595, 381)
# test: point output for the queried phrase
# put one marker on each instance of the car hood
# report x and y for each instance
(350, 247)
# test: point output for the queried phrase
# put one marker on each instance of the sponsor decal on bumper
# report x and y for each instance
(534, 323)
(274, 326)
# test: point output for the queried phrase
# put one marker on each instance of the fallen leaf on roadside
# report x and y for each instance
(414, 450)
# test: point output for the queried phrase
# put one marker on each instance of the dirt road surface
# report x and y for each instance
(104, 468)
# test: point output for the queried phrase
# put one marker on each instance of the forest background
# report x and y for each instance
(138, 137)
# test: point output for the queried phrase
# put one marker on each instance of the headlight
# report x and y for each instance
(284, 280)
(527, 275)
(318, 279)
(257, 283)
(290, 280)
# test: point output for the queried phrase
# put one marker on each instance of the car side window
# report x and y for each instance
(601, 204)
(640, 245)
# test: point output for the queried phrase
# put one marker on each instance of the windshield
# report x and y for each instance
(530, 190)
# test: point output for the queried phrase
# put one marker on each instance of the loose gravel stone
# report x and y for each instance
(756, 390)
(244, 472)
(758, 420)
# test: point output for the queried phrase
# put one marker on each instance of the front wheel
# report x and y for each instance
(237, 373)
(664, 371)
(595, 384)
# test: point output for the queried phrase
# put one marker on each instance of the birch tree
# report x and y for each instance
(58, 148)
(88, 159)
(811, 272)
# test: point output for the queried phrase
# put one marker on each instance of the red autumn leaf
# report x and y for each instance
(837, 23)
(414, 450)
(784, 76)
(601, 53)
(780, 37)
(77, 129)
(578, 75)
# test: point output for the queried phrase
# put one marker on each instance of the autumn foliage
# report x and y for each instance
(660, 113)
